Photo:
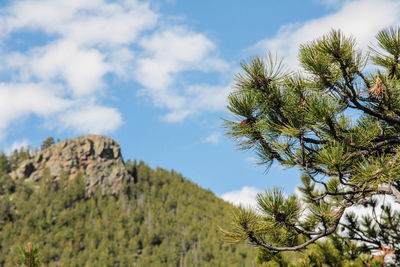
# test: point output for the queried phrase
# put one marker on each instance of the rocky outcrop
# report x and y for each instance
(97, 157)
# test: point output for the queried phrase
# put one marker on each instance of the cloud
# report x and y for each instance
(206, 97)
(17, 145)
(196, 99)
(90, 22)
(358, 210)
(381, 199)
(245, 196)
(83, 41)
(92, 119)
(21, 99)
(81, 69)
(213, 138)
(171, 52)
(362, 19)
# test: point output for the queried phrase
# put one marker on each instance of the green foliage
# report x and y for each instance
(17, 157)
(161, 220)
(377, 231)
(339, 126)
(47, 143)
(4, 164)
(337, 251)
(29, 256)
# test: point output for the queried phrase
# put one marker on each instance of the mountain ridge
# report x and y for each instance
(97, 157)
(155, 218)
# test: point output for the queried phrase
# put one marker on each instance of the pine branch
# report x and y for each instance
(323, 233)
(375, 148)
(304, 121)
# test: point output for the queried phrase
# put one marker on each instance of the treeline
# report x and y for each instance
(161, 219)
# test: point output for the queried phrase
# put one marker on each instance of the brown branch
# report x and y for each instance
(325, 232)
(303, 152)
(364, 79)
(327, 173)
(374, 148)
(332, 129)
(353, 98)
(341, 178)
(315, 180)
(373, 113)
(257, 136)
(314, 141)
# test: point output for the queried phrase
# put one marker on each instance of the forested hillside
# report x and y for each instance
(158, 219)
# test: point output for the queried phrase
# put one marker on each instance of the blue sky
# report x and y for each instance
(154, 75)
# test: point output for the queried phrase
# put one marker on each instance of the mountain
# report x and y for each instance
(81, 205)
(97, 158)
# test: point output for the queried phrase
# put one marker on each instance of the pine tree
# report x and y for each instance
(4, 164)
(47, 143)
(338, 122)
(29, 256)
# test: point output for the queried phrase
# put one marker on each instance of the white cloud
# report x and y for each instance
(17, 145)
(91, 119)
(81, 69)
(21, 99)
(86, 41)
(245, 196)
(213, 138)
(177, 49)
(207, 97)
(381, 199)
(358, 210)
(171, 52)
(120, 61)
(195, 99)
(83, 22)
(362, 19)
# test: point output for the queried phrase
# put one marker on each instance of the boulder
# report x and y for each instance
(97, 157)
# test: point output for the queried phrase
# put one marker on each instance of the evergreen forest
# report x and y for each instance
(161, 219)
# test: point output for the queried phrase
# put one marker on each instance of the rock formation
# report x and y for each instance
(97, 157)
